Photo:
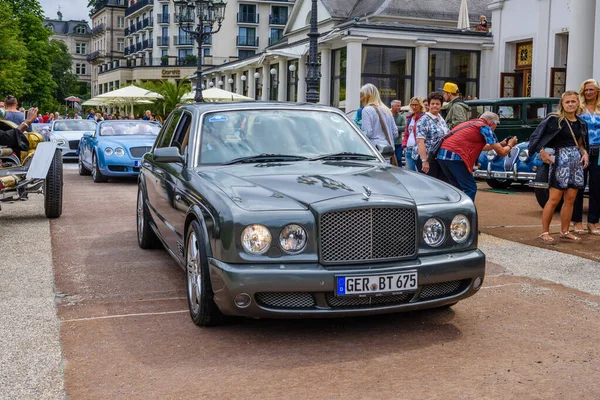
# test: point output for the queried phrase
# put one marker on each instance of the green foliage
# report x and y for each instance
(172, 93)
(12, 54)
(26, 7)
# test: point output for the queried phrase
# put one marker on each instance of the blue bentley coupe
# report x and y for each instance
(115, 148)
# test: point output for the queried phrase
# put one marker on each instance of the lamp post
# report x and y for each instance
(256, 76)
(230, 81)
(314, 75)
(209, 13)
(243, 78)
(274, 84)
(292, 83)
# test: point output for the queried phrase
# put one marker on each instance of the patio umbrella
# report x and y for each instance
(216, 94)
(129, 95)
(463, 16)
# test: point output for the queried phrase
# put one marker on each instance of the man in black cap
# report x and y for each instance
(14, 138)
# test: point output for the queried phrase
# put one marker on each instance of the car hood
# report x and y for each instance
(297, 185)
(127, 141)
(69, 135)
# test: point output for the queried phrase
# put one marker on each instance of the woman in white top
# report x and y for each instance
(371, 125)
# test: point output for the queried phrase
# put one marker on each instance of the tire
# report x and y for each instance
(53, 187)
(542, 195)
(83, 171)
(498, 183)
(96, 174)
(146, 236)
(203, 310)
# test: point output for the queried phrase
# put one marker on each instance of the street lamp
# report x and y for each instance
(256, 76)
(314, 75)
(243, 78)
(230, 81)
(220, 83)
(209, 13)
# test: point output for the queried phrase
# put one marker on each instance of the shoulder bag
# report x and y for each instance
(435, 149)
(387, 135)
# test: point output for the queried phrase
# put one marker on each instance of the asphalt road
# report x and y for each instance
(531, 332)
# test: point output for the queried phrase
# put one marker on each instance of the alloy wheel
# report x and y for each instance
(94, 167)
(194, 281)
(140, 216)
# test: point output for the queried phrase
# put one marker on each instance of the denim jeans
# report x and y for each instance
(410, 163)
(398, 150)
(459, 176)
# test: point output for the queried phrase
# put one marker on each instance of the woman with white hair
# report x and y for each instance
(459, 152)
(378, 124)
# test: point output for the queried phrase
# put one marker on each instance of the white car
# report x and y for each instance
(67, 134)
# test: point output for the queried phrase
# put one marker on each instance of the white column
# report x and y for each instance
(422, 67)
(581, 43)
(487, 55)
(540, 73)
(251, 82)
(325, 89)
(265, 82)
(238, 82)
(282, 78)
(353, 71)
(596, 57)
(491, 88)
(301, 73)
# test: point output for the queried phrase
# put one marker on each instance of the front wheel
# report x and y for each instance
(203, 310)
(83, 171)
(53, 187)
(498, 183)
(96, 174)
(147, 238)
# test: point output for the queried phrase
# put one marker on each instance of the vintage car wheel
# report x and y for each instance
(498, 183)
(147, 238)
(53, 187)
(203, 310)
(542, 195)
(96, 174)
(83, 171)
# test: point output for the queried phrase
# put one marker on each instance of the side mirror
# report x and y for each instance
(168, 155)
(386, 151)
(87, 134)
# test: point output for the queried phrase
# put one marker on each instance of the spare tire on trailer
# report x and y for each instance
(53, 187)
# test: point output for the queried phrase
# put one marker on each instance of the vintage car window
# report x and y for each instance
(536, 111)
(169, 130)
(476, 111)
(74, 125)
(226, 136)
(118, 128)
(509, 112)
(182, 132)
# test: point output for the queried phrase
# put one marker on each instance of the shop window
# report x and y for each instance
(458, 66)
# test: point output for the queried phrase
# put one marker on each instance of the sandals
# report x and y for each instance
(593, 231)
(569, 236)
(546, 238)
(580, 230)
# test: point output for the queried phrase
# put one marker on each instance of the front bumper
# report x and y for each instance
(308, 290)
(121, 167)
(513, 175)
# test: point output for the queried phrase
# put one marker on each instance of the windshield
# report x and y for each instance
(74, 125)
(231, 135)
(129, 128)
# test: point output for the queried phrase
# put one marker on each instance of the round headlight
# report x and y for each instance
(460, 228)
(433, 232)
(108, 151)
(292, 238)
(524, 155)
(256, 239)
(119, 152)
(491, 155)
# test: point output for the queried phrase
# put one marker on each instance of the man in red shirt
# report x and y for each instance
(461, 149)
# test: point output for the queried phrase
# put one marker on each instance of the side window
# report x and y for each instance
(509, 112)
(476, 111)
(164, 139)
(536, 111)
(182, 133)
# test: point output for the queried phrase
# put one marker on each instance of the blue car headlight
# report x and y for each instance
(108, 151)
(119, 152)
(524, 155)
(491, 155)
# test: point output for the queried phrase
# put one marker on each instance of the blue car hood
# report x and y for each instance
(126, 141)
(294, 186)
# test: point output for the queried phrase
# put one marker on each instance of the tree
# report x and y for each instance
(26, 7)
(60, 69)
(172, 93)
(13, 64)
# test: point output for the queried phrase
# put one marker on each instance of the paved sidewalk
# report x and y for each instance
(30, 352)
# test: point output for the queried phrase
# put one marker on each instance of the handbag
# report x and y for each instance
(387, 135)
(435, 149)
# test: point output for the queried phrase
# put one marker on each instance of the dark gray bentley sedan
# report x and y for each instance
(286, 210)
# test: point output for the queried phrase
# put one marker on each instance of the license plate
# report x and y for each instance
(370, 285)
(137, 164)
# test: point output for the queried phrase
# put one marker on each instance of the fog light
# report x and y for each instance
(243, 300)
(477, 283)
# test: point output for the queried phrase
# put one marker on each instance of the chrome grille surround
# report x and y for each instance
(138, 152)
(438, 290)
(367, 234)
(285, 299)
(369, 301)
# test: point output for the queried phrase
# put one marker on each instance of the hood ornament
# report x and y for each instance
(367, 193)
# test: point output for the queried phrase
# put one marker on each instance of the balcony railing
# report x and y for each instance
(183, 40)
(138, 47)
(98, 28)
(108, 3)
(163, 18)
(93, 55)
(138, 6)
(275, 19)
(162, 41)
(147, 44)
(247, 41)
(138, 26)
(246, 18)
(274, 39)
(147, 22)
(132, 29)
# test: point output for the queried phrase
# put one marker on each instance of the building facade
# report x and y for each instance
(108, 43)
(544, 47)
(155, 47)
(77, 36)
(404, 48)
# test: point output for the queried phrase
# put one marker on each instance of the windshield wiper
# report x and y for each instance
(265, 157)
(344, 154)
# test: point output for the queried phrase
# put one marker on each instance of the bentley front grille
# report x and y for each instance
(285, 300)
(365, 234)
(138, 152)
(443, 289)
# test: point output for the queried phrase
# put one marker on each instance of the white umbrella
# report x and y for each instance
(129, 95)
(463, 16)
(216, 94)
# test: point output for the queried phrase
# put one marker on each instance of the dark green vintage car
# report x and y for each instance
(287, 210)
